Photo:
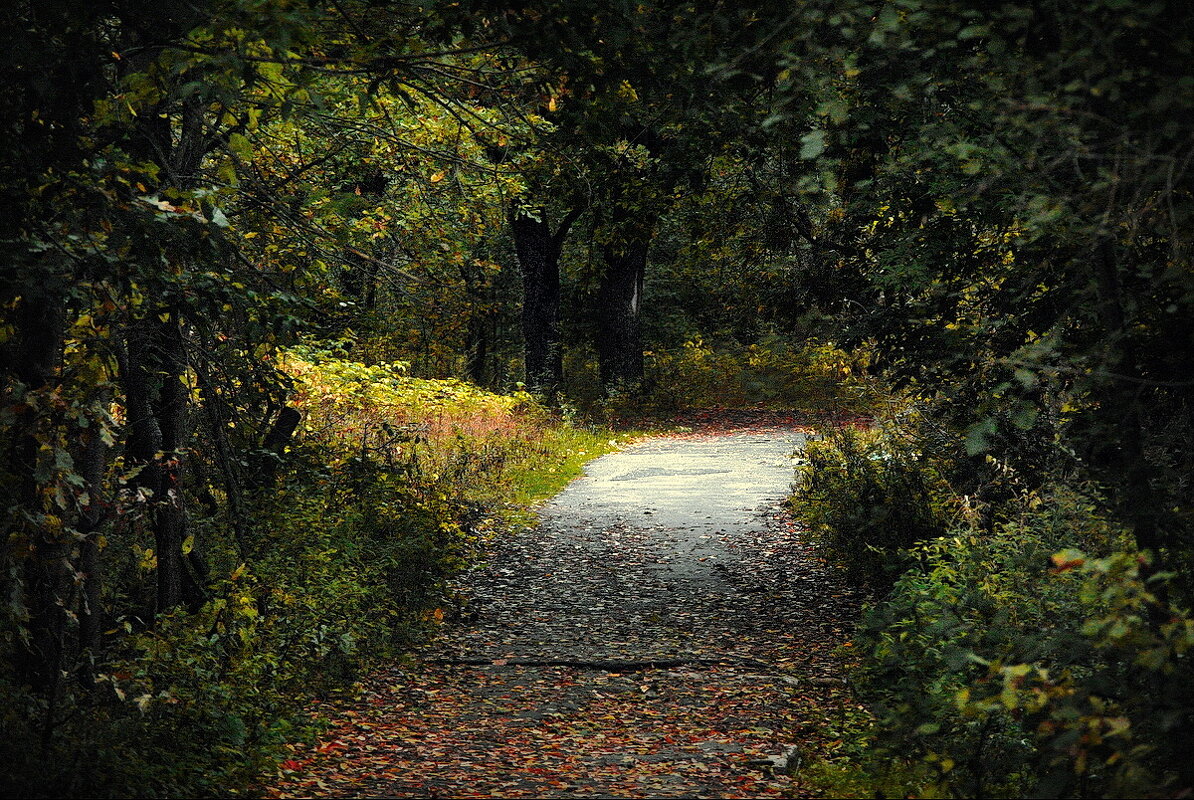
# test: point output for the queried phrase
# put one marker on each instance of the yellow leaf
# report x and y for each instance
(437, 177)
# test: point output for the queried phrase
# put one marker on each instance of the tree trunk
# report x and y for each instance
(172, 410)
(275, 443)
(539, 260)
(635, 206)
(1136, 496)
(92, 463)
(35, 360)
(538, 250)
(157, 404)
(212, 406)
(155, 363)
(477, 348)
(619, 304)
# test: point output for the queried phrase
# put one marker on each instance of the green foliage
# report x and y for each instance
(1010, 664)
(771, 372)
(390, 485)
(867, 495)
(348, 567)
(992, 204)
(483, 447)
(1021, 247)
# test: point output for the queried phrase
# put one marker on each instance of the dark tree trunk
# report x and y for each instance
(212, 406)
(275, 443)
(35, 358)
(92, 463)
(45, 109)
(538, 250)
(539, 260)
(171, 525)
(144, 442)
(155, 361)
(153, 369)
(1136, 495)
(634, 211)
(477, 349)
(619, 304)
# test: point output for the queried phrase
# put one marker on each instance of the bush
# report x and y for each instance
(1010, 664)
(444, 436)
(771, 373)
(347, 567)
(866, 496)
(342, 562)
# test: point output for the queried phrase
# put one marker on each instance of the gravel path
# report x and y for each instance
(663, 632)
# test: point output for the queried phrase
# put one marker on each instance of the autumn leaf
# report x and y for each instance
(1067, 560)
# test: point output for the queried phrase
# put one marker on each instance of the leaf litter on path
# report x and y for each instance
(666, 631)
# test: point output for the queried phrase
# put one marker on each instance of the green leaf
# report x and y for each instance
(978, 436)
(1025, 417)
(238, 143)
(812, 144)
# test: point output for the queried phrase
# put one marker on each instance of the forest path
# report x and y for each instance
(663, 632)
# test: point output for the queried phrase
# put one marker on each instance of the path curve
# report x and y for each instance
(665, 631)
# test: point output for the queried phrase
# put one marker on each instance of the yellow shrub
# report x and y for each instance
(376, 410)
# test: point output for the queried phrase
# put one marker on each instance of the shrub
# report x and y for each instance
(771, 373)
(1010, 664)
(444, 436)
(343, 561)
(347, 566)
(867, 495)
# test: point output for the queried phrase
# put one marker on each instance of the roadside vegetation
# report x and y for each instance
(339, 562)
(1017, 641)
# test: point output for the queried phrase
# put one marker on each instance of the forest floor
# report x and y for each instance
(665, 631)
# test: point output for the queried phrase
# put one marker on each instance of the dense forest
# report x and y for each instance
(302, 301)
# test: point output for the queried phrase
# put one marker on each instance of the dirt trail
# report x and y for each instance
(663, 632)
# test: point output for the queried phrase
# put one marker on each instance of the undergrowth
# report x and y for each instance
(389, 486)
(490, 448)
(772, 373)
(867, 495)
(1015, 648)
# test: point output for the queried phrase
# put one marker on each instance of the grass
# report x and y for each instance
(491, 450)
(565, 451)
